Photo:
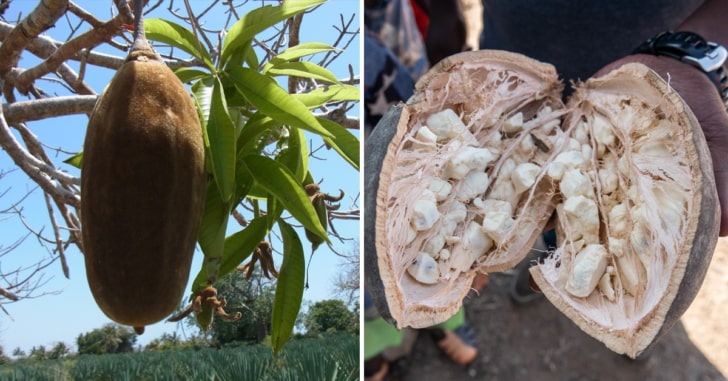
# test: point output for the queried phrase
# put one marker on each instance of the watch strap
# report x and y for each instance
(694, 50)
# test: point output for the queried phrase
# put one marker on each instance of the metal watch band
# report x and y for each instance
(694, 50)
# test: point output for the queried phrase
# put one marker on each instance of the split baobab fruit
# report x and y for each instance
(143, 184)
(473, 166)
(626, 275)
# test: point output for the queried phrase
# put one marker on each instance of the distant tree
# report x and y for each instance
(111, 338)
(253, 297)
(330, 316)
(38, 353)
(3, 358)
(165, 342)
(59, 351)
(19, 353)
(171, 341)
(346, 281)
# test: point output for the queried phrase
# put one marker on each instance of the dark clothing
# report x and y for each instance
(386, 81)
(578, 37)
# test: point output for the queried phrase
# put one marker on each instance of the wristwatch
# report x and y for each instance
(694, 50)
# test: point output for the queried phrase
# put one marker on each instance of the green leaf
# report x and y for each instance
(289, 290)
(75, 160)
(301, 50)
(254, 127)
(302, 152)
(324, 95)
(344, 142)
(221, 133)
(244, 183)
(303, 69)
(240, 55)
(251, 58)
(270, 99)
(240, 245)
(188, 74)
(237, 248)
(273, 211)
(295, 155)
(258, 20)
(202, 91)
(211, 236)
(280, 182)
(178, 36)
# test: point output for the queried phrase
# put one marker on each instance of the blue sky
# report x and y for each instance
(68, 308)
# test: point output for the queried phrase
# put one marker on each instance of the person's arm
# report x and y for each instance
(698, 91)
(709, 21)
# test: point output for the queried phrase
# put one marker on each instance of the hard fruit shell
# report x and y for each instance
(398, 297)
(696, 246)
(143, 184)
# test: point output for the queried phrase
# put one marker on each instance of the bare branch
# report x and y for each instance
(44, 16)
(338, 115)
(352, 214)
(26, 111)
(43, 47)
(40, 172)
(294, 30)
(195, 24)
(57, 235)
(8, 295)
(69, 49)
(343, 31)
(85, 16)
(239, 218)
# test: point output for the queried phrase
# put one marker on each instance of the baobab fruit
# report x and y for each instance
(623, 165)
(659, 225)
(485, 154)
(142, 190)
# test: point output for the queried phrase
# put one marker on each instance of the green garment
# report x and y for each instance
(380, 335)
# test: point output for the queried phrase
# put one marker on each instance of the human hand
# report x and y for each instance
(703, 99)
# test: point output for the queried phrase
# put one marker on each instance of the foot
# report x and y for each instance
(458, 345)
(376, 369)
(480, 282)
(523, 289)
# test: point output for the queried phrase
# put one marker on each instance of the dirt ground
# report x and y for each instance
(536, 342)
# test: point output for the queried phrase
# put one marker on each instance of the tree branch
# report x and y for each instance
(44, 16)
(37, 170)
(57, 236)
(83, 15)
(8, 295)
(26, 111)
(43, 47)
(69, 49)
(338, 115)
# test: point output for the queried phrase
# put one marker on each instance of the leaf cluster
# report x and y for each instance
(255, 135)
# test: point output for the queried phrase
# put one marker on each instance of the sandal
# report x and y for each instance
(375, 369)
(459, 344)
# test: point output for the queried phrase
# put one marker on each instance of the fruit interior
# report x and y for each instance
(639, 185)
(441, 179)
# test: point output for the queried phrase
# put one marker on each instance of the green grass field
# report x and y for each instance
(331, 358)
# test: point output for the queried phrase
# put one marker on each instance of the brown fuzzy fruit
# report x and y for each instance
(143, 184)
(485, 152)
